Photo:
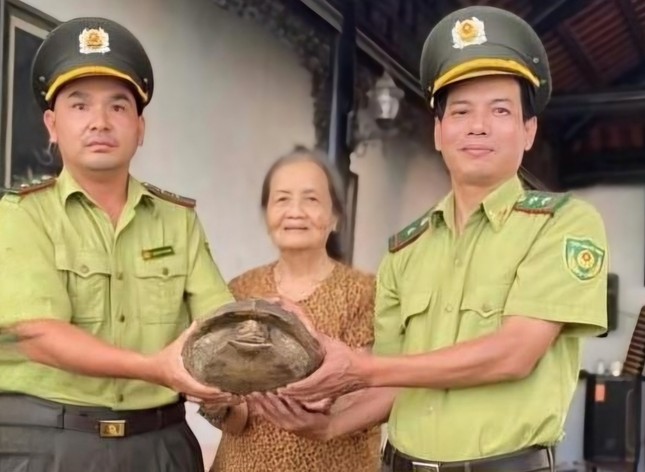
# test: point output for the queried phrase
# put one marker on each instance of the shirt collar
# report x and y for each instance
(137, 193)
(497, 205)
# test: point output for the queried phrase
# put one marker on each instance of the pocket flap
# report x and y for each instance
(165, 268)
(486, 299)
(413, 304)
(82, 263)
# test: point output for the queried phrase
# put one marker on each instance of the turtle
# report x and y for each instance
(251, 345)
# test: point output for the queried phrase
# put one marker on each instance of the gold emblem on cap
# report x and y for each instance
(94, 40)
(468, 32)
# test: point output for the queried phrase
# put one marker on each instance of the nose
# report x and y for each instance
(479, 124)
(100, 120)
(294, 210)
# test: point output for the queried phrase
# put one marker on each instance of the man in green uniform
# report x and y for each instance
(482, 302)
(101, 277)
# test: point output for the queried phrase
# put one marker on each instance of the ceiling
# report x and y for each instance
(595, 123)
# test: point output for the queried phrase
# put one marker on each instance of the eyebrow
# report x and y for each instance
(305, 191)
(117, 96)
(468, 102)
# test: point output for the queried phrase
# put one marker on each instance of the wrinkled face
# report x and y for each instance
(95, 125)
(482, 135)
(299, 212)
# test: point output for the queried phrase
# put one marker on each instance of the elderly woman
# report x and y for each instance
(303, 207)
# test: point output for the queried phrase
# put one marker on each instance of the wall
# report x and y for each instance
(228, 99)
(398, 182)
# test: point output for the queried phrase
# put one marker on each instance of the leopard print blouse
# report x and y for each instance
(342, 306)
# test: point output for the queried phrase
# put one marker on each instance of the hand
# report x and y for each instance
(290, 415)
(167, 368)
(338, 374)
(321, 406)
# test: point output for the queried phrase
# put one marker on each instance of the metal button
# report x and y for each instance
(165, 271)
(84, 269)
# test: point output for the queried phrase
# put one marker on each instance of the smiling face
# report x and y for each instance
(96, 125)
(299, 211)
(482, 134)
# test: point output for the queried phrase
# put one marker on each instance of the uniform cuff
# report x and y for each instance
(579, 320)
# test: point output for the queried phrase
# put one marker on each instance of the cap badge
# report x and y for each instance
(94, 40)
(468, 32)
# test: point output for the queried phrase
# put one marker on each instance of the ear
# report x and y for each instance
(142, 129)
(49, 118)
(530, 130)
(437, 134)
(334, 223)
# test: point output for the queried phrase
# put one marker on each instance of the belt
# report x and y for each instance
(526, 460)
(25, 410)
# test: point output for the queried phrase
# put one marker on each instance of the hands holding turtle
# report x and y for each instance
(267, 354)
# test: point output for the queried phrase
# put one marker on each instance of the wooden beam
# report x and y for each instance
(578, 55)
(608, 167)
(547, 15)
(366, 44)
(600, 102)
(634, 27)
(634, 77)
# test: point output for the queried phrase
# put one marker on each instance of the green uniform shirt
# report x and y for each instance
(522, 253)
(62, 259)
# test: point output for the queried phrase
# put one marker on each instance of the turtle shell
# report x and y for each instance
(251, 346)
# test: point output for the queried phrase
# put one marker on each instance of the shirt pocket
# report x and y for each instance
(481, 310)
(160, 287)
(413, 305)
(88, 283)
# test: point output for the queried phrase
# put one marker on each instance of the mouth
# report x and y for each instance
(99, 145)
(477, 151)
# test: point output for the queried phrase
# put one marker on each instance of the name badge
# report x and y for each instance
(157, 252)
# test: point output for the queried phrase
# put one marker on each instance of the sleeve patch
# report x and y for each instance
(583, 258)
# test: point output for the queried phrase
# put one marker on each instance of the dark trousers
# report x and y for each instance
(31, 448)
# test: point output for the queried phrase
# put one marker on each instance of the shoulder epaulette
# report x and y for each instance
(409, 234)
(534, 201)
(169, 196)
(25, 189)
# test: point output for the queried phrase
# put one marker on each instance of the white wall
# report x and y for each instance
(229, 98)
(397, 183)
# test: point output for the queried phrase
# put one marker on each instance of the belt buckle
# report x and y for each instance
(424, 466)
(112, 428)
